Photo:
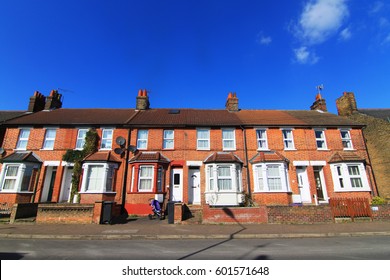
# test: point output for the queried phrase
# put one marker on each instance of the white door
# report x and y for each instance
(66, 184)
(194, 186)
(177, 185)
(303, 185)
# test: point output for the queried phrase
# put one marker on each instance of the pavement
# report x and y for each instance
(142, 228)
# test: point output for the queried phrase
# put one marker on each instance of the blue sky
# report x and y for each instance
(191, 54)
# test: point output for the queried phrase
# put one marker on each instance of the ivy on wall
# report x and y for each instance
(77, 156)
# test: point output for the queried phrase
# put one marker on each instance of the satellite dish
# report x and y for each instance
(118, 151)
(120, 140)
(132, 148)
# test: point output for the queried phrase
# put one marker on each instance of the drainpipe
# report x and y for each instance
(247, 166)
(124, 184)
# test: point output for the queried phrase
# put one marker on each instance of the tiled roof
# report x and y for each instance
(76, 117)
(102, 157)
(268, 156)
(182, 117)
(383, 114)
(8, 115)
(149, 157)
(344, 157)
(222, 157)
(22, 157)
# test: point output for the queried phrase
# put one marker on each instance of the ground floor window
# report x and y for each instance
(349, 177)
(223, 177)
(270, 177)
(17, 177)
(147, 178)
(98, 178)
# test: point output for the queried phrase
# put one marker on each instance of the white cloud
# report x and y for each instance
(376, 7)
(345, 34)
(320, 19)
(305, 56)
(263, 40)
(386, 40)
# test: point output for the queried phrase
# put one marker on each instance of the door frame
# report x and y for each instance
(194, 192)
(178, 194)
(304, 184)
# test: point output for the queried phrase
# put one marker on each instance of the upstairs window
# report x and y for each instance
(50, 136)
(320, 139)
(288, 139)
(107, 139)
(168, 141)
(262, 142)
(228, 139)
(23, 139)
(203, 139)
(346, 139)
(81, 138)
(142, 139)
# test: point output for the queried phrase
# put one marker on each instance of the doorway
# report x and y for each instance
(194, 185)
(48, 186)
(176, 193)
(66, 184)
(303, 184)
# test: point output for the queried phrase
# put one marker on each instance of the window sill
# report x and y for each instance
(52, 149)
(323, 150)
(349, 149)
(354, 190)
(291, 149)
(13, 191)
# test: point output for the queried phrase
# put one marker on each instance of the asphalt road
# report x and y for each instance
(335, 248)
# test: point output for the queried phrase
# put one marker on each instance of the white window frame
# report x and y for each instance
(107, 177)
(48, 142)
(264, 139)
(260, 170)
(106, 143)
(80, 141)
(149, 178)
(320, 139)
(168, 140)
(142, 143)
(212, 178)
(346, 141)
(229, 140)
(342, 179)
(288, 140)
(19, 184)
(203, 140)
(23, 140)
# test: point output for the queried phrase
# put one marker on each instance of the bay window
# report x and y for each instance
(17, 177)
(98, 177)
(145, 178)
(270, 177)
(349, 177)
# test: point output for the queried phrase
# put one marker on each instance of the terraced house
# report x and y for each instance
(224, 157)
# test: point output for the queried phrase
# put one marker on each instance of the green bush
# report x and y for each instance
(377, 200)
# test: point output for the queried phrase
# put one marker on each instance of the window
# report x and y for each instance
(262, 143)
(17, 177)
(288, 139)
(50, 136)
(270, 177)
(145, 179)
(23, 139)
(349, 177)
(203, 139)
(228, 139)
(142, 139)
(320, 139)
(223, 177)
(168, 141)
(81, 138)
(107, 139)
(346, 139)
(99, 178)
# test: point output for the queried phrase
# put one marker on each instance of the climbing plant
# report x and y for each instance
(77, 156)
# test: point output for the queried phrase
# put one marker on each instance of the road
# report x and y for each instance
(335, 248)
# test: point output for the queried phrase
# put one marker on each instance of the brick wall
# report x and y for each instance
(244, 215)
(299, 214)
(65, 213)
(381, 212)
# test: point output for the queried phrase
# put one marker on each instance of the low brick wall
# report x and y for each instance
(299, 214)
(381, 212)
(23, 210)
(65, 213)
(244, 215)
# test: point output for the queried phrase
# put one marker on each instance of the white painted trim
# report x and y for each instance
(317, 163)
(301, 163)
(52, 163)
(194, 163)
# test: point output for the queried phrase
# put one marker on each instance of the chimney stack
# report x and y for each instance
(319, 104)
(37, 102)
(53, 101)
(142, 100)
(346, 104)
(232, 102)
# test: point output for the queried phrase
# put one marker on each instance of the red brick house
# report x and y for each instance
(196, 156)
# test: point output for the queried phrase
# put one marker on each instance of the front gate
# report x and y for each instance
(350, 207)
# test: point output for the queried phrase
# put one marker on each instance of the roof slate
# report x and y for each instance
(383, 114)
(102, 157)
(22, 157)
